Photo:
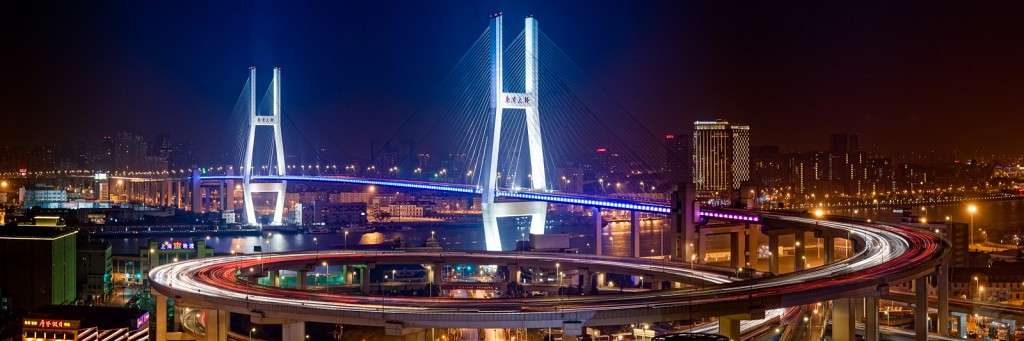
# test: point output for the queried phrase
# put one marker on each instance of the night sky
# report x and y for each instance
(904, 75)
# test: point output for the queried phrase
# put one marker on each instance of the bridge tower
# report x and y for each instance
(274, 120)
(499, 101)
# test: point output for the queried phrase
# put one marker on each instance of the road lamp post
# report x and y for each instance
(557, 273)
(346, 240)
(977, 285)
(250, 333)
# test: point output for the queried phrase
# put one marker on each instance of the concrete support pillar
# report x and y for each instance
(702, 248)
(217, 325)
(295, 331)
(221, 196)
(634, 235)
(571, 330)
(601, 280)
(843, 324)
(161, 316)
(685, 209)
(830, 250)
(274, 278)
(942, 276)
(364, 281)
(207, 200)
(859, 308)
(773, 256)
(871, 323)
(961, 325)
(168, 198)
(729, 327)
(921, 309)
(515, 274)
(588, 280)
(798, 251)
(346, 274)
(300, 279)
(753, 245)
(595, 213)
(1011, 327)
(230, 195)
(737, 247)
(197, 196)
(655, 283)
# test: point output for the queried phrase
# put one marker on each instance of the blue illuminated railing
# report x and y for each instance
(711, 213)
(566, 198)
(552, 197)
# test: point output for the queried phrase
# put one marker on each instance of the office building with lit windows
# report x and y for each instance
(721, 157)
(37, 265)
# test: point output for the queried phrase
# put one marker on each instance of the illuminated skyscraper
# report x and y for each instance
(721, 156)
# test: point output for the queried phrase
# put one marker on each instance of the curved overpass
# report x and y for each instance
(890, 254)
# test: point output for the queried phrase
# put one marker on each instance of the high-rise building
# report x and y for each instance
(678, 158)
(844, 143)
(721, 157)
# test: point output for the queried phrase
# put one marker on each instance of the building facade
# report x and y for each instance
(95, 277)
(56, 322)
(38, 264)
(169, 251)
(721, 157)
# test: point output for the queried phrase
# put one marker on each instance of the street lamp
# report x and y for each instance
(250, 333)
(557, 273)
(346, 240)
(977, 284)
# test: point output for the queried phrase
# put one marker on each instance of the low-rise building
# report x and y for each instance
(63, 322)
(336, 214)
(170, 251)
(38, 265)
(41, 196)
(403, 210)
(95, 280)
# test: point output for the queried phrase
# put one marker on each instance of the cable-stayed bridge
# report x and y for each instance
(512, 121)
(544, 110)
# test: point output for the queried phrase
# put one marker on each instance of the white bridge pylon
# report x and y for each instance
(499, 101)
(273, 120)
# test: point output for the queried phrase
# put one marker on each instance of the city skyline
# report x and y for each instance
(151, 69)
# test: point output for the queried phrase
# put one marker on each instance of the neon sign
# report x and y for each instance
(142, 321)
(176, 245)
(57, 324)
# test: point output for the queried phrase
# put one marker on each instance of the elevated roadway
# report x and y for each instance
(890, 254)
